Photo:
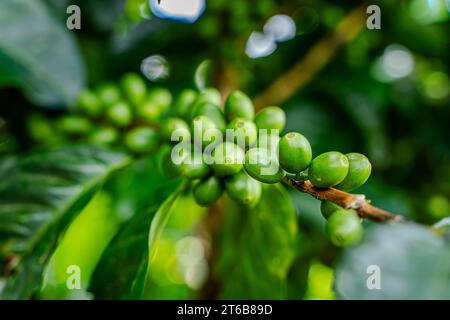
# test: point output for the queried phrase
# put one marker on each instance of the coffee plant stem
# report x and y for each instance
(346, 200)
(317, 57)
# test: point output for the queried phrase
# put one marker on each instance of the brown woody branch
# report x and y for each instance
(317, 57)
(346, 200)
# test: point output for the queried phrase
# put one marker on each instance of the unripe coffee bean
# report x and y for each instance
(239, 105)
(209, 95)
(75, 125)
(204, 131)
(142, 140)
(208, 191)
(358, 172)
(243, 189)
(89, 104)
(213, 112)
(134, 88)
(263, 166)
(193, 166)
(104, 136)
(109, 94)
(327, 208)
(295, 152)
(244, 132)
(156, 105)
(120, 114)
(228, 159)
(344, 228)
(328, 169)
(271, 118)
(175, 128)
(184, 102)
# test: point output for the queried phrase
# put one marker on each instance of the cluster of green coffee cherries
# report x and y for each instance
(121, 116)
(232, 150)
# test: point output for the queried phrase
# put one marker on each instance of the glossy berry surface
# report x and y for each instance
(327, 208)
(120, 114)
(204, 131)
(228, 159)
(295, 152)
(244, 189)
(263, 166)
(184, 103)
(271, 118)
(142, 140)
(239, 105)
(244, 132)
(208, 191)
(344, 228)
(213, 112)
(193, 166)
(89, 104)
(358, 172)
(134, 88)
(175, 130)
(328, 169)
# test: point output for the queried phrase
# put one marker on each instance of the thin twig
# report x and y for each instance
(317, 57)
(346, 200)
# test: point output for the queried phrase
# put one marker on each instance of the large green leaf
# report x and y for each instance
(125, 259)
(411, 262)
(257, 247)
(49, 66)
(39, 196)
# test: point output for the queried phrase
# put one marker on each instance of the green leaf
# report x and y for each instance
(125, 258)
(411, 262)
(49, 66)
(39, 196)
(257, 247)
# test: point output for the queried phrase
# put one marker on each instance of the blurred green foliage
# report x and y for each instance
(385, 94)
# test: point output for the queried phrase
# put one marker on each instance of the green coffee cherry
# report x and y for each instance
(213, 112)
(358, 172)
(109, 94)
(328, 169)
(175, 128)
(184, 103)
(244, 132)
(271, 118)
(295, 152)
(156, 105)
(74, 125)
(135, 88)
(239, 105)
(89, 104)
(193, 166)
(120, 114)
(344, 228)
(228, 159)
(208, 191)
(209, 95)
(142, 140)
(104, 136)
(204, 131)
(263, 166)
(243, 189)
(328, 208)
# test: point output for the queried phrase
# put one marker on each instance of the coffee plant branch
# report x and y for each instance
(285, 86)
(346, 200)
